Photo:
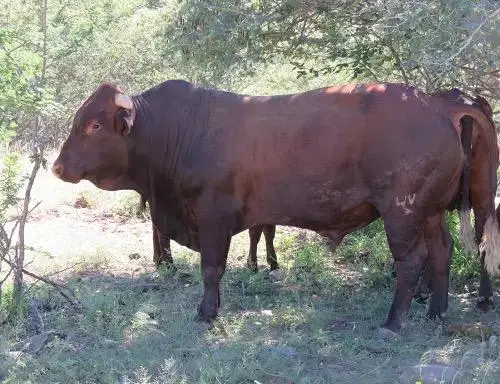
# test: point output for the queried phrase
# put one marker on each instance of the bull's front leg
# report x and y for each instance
(215, 239)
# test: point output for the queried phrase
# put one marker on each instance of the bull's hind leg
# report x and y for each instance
(407, 243)
(423, 290)
(269, 233)
(254, 234)
(439, 246)
(485, 299)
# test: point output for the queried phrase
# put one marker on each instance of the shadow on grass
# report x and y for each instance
(313, 325)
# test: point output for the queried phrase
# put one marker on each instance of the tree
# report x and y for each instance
(431, 44)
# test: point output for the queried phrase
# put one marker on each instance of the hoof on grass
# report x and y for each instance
(485, 304)
(276, 274)
(386, 334)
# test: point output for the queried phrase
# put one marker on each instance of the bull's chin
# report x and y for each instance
(109, 183)
(70, 179)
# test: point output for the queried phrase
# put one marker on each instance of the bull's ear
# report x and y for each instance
(485, 106)
(126, 114)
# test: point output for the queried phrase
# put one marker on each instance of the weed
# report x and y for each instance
(126, 204)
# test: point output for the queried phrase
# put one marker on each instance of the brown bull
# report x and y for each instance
(214, 163)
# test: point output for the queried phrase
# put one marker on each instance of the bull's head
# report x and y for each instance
(97, 146)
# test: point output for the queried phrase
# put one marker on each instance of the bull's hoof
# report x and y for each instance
(153, 277)
(166, 266)
(386, 334)
(252, 266)
(485, 304)
(200, 318)
(438, 317)
(274, 267)
(276, 274)
(421, 298)
(206, 315)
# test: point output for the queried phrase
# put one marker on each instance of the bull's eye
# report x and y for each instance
(92, 128)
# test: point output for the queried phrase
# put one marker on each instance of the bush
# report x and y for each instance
(463, 265)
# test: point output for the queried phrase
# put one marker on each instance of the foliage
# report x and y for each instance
(10, 183)
(433, 44)
(17, 93)
(369, 251)
(229, 45)
(49, 64)
(126, 205)
(464, 265)
(84, 43)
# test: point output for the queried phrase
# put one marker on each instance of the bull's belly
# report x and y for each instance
(325, 216)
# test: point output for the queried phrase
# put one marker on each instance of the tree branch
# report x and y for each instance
(473, 33)
(59, 287)
(395, 55)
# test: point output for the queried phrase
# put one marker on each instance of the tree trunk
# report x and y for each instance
(19, 259)
(37, 157)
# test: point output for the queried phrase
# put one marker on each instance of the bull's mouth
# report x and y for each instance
(70, 178)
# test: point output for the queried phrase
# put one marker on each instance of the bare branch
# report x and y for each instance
(6, 276)
(473, 34)
(64, 270)
(75, 302)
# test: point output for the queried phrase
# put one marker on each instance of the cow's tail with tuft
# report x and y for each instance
(490, 245)
(490, 241)
(466, 232)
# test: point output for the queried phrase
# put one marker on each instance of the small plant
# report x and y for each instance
(367, 250)
(126, 204)
(10, 185)
(463, 265)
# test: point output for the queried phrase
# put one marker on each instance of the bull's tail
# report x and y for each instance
(466, 234)
(490, 245)
(490, 241)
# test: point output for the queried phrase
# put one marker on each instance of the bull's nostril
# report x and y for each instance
(58, 170)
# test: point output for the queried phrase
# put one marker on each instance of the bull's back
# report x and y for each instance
(329, 131)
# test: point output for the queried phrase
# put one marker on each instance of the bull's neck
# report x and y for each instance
(164, 133)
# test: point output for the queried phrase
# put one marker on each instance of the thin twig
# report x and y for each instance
(473, 33)
(6, 277)
(63, 270)
(50, 282)
(34, 207)
(376, 368)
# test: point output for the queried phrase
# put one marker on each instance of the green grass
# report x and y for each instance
(316, 325)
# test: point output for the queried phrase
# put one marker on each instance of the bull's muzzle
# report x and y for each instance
(58, 170)
(67, 171)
